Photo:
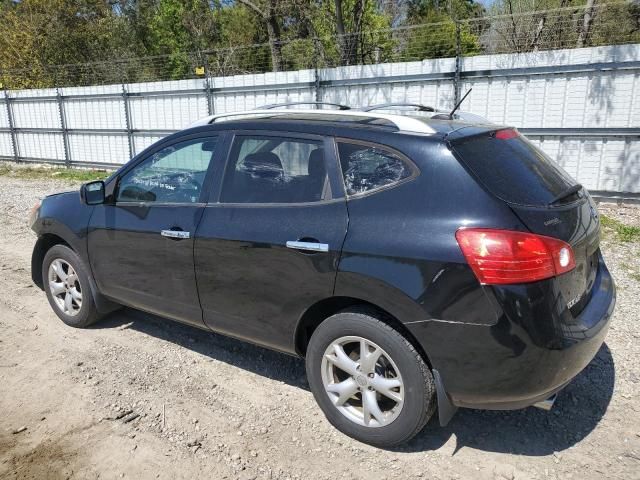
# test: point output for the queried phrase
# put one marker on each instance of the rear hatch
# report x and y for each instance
(545, 198)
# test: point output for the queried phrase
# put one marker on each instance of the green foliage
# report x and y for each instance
(438, 39)
(48, 43)
(624, 233)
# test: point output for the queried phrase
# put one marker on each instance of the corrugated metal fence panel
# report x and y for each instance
(36, 114)
(5, 145)
(141, 142)
(567, 90)
(170, 112)
(598, 163)
(109, 149)
(4, 114)
(45, 146)
(100, 113)
(372, 85)
(246, 92)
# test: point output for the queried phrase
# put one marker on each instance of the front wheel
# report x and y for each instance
(68, 289)
(369, 380)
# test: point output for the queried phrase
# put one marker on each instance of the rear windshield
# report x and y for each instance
(513, 169)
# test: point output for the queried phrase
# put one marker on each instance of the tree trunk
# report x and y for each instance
(586, 23)
(343, 41)
(273, 30)
(348, 41)
(535, 42)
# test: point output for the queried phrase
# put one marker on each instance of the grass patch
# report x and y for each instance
(36, 173)
(624, 233)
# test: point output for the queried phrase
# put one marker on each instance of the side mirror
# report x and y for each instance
(92, 193)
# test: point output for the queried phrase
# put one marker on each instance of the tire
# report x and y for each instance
(82, 311)
(397, 420)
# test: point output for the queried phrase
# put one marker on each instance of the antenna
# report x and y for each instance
(459, 103)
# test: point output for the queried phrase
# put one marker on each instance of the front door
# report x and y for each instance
(141, 242)
(268, 246)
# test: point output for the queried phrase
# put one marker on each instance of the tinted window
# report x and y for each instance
(513, 169)
(367, 167)
(275, 170)
(174, 174)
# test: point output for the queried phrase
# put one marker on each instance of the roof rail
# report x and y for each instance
(417, 106)
(401, 122)
(317, 104)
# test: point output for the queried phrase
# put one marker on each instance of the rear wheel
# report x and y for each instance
(369, 380)
(68, 289)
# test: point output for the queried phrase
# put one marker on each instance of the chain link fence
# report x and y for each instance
(561, 28)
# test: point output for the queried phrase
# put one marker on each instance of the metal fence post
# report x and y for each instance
(63, 126)
(316, 71)
(208, 86)
(127, 119)
(12, 128)
(456, 77)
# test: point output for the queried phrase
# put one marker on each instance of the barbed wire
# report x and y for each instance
(567, 27)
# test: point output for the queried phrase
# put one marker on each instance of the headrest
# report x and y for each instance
(263, 165)
(316, 163)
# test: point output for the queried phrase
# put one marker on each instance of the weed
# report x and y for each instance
(624, 233)
(35, 173)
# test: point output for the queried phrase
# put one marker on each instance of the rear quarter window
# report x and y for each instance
(513, 169)
(367, 167)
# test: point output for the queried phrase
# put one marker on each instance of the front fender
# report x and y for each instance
(64, 219)
(63, 215)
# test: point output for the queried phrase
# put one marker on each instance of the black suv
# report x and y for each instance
(416, 263)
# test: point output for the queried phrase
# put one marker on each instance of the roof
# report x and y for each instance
(415, 123)
(400, 122)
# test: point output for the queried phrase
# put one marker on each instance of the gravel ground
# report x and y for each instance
(141, 397)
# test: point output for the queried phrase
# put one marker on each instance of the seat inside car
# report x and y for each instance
(317, 175)
(256, 178)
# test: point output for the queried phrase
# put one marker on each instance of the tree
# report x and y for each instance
(267, 11)
(586, 23)
(41, 33)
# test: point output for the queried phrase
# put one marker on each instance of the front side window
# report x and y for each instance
(367, 167)
(174, 174)
(265, 169)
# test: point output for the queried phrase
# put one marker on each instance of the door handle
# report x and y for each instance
(179, 234)
(308, 246)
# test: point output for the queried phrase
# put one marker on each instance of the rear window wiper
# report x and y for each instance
(566, 193)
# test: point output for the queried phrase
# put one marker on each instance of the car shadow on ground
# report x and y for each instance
(533, 432)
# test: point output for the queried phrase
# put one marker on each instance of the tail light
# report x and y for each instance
(505, 256)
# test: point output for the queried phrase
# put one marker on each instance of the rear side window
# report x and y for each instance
(368, 167)
(512, 168)
(266, 169)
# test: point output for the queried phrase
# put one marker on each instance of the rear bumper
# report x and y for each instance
(534, 349)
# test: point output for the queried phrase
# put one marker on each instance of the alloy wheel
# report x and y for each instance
(65, 288)
(362, 381)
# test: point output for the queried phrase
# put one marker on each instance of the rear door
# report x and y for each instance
(269, 242)
(547, 200)
(141, 242)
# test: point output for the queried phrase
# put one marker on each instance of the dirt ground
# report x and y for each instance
(141, 397)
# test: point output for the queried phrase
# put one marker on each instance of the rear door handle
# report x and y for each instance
(179, 234)
(308, 246)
